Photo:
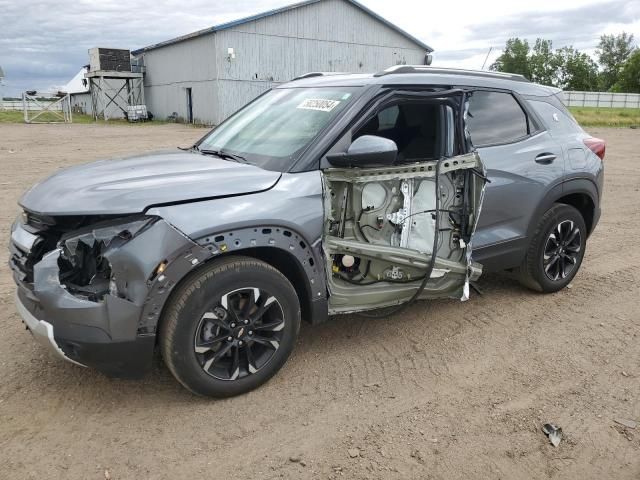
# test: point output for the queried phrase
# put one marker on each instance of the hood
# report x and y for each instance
(131, 185)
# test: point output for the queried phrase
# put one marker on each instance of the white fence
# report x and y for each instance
(601, 99)
(571, 99)
(17, 105)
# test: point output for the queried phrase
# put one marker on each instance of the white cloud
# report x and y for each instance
(45, 42)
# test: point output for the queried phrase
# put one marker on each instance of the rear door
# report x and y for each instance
(523, 164)
(564, 129)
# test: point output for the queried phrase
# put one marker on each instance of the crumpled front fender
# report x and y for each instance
(114, 317)
(76, 318)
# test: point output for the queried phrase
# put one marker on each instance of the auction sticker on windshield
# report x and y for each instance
(321, 104)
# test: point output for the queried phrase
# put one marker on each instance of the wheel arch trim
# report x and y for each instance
(261, 242)
(575, 186)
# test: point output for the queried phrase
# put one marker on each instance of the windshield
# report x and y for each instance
(272, 131)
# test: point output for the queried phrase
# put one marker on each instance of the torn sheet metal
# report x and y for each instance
(473, 273)
(85, 267)
(111, 301)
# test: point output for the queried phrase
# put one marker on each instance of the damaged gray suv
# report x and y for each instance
(331, 194)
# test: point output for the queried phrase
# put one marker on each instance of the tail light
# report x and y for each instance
(596, 145)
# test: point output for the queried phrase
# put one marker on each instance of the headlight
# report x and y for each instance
(84, 265)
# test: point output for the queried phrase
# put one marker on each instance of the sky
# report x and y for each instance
(43, 43)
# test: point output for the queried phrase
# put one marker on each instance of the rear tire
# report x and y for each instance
(230, 327)
(556, 250)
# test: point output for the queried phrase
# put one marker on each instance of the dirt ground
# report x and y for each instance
(445, 390)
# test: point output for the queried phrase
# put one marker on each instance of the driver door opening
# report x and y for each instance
(380, 222)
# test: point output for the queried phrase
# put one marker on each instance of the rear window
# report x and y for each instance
(557, 121)
(494, 118)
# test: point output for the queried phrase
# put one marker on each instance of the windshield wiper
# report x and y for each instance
(188, 149)
(222, 154)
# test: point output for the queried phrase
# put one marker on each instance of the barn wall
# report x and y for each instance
(81, 103)
(332, 35)
(172, 69)
(328, 20)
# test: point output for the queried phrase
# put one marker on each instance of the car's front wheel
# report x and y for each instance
(556, 250)
(230, 327)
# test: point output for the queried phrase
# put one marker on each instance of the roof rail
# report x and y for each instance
(449, 71)
(317, 74)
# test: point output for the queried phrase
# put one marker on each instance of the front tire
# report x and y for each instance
(230, 327)
(556, 250)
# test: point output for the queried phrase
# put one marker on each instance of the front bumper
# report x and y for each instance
(108, 335)
(42, 331)
(71, 334)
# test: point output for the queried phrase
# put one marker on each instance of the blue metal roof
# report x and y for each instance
(224, 26)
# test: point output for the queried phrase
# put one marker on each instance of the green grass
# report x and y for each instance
(586, 116)
(12, 116)
(606, 117)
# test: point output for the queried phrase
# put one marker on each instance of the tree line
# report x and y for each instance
(617, 68)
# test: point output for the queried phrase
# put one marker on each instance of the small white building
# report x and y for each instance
(79, 92)
(207, 75)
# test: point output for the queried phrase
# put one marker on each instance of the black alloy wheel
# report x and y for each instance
(555, 251)
(240, 333)
(229, 326)
(562, 250)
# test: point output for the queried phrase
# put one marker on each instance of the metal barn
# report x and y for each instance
(205, 76)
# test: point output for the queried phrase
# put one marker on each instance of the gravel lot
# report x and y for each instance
(443, 390)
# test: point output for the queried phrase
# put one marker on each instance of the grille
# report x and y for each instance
(49, 230)
(21, 264)
(22, 261)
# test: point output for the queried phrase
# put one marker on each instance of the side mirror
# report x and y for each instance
(366, 151)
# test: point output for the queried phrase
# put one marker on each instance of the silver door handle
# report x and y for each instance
(545, 158)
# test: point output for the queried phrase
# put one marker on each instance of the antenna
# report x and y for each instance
(486, 58)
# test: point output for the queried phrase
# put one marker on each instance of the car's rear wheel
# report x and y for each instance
(556, 250)
(230, 327)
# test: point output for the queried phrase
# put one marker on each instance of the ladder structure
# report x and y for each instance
(114, 90)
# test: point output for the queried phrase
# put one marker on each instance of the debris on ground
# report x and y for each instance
(626, 432)
(626, 422)
(295, 459)
(419, 456)
(353, 452)
(553, 432)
